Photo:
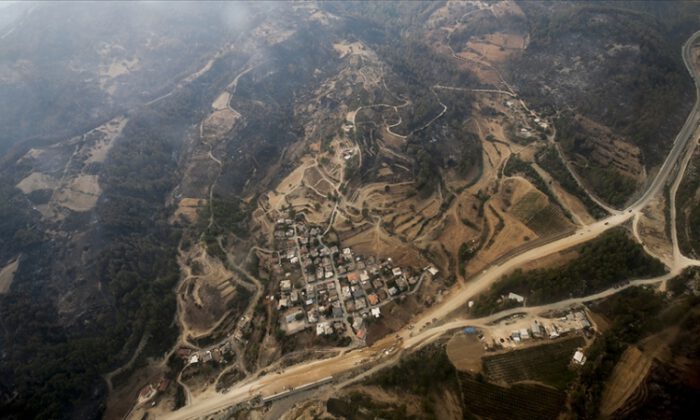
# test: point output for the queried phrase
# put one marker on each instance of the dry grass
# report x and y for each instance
(188, 208)
(219, 123)
(80, 194)
(628, 374)
(221, 102)
(652, 230)
(98, 152)
(7, 275)
(37, 181)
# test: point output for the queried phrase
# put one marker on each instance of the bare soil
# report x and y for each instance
(7, 275)
(465, 352)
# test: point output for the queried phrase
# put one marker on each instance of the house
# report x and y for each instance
(207, 356)
(286, 285)
(353, 277)
(337, 312)
(146, 393)
(356, 323)
(524, 335)
(579, 358)
(517, 298)
(432, 270)
(372, 299)
(375, 312)
(311, 315)
(324, 328)
(393, 291)
(396, 271)
(364, 276)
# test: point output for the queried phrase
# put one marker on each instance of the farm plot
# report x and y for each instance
(548, 221)
(522, 401)
(547, 363)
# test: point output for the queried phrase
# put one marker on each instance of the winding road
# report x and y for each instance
(423, 331)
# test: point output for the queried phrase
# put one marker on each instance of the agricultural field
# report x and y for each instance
(521, 401)
(548, 363)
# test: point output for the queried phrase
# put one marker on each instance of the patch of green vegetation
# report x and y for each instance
(550, 161)
(230, 215)
(466, 253)
(419, 373)
(608, 259)
(611, 185)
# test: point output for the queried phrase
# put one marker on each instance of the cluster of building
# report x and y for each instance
(517, 330)
(216, 355)
(573, 321)
(539, 123)
(323, 286)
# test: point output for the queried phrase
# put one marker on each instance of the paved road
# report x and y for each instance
(422, 333)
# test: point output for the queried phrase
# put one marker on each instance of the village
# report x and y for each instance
(330, 289)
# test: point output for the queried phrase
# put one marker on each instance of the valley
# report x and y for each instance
(287, 210)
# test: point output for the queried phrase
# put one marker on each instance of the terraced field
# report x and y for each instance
(522, 401)
(548, 363)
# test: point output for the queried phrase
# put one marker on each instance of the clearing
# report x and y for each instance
(80, 194)
(7, 274)
(37, 181)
